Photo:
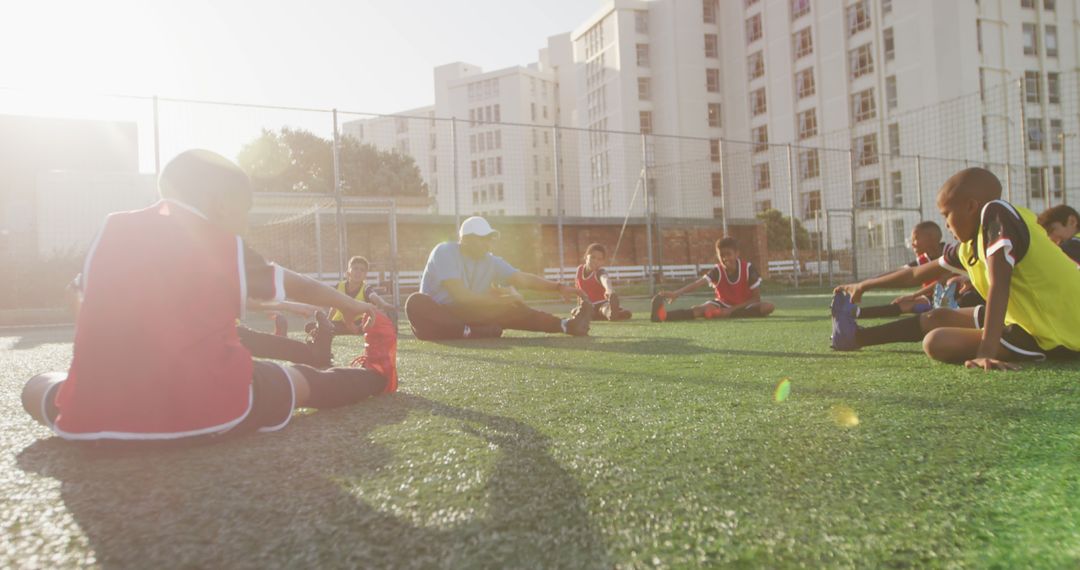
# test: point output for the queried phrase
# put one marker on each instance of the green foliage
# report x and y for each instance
(778, 231)
(295, 160)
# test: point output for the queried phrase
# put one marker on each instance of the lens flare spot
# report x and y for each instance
(783, 390)
(844, 416)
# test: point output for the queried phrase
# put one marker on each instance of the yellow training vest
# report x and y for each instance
(336, 315)
(1044, 286)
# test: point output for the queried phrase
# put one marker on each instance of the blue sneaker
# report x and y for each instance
(843, 322)
(945, 297)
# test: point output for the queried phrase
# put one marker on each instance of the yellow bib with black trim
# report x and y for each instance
(361, 295)
(1044, 284)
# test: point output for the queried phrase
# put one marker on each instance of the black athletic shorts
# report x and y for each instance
(1021, 345)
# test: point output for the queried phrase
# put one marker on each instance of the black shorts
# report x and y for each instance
(1020, 344)
(750, 310)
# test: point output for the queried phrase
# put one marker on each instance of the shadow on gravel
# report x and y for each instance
(296, 499)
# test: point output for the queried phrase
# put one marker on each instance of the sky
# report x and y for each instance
(362, 55)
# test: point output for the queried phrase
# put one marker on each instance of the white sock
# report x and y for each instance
(564, 323)
(468, 331)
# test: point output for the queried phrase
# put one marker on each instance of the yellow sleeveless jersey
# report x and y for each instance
(1044, 284)
(362, 295)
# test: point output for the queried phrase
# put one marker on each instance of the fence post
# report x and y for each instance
(723, 189)
(1024, 143)
(318, 242)
(918, 187)
(648, 214)
(1008, 144)
(157, 139)
(854, 202)
(1064, 187)
(791, 219)
(394, 255)
(828, 239)
(337, 199)
(453, 147)
(817, 223)
(558, 196)
(1046, 187)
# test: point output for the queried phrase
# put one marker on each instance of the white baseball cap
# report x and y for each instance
(476, 226)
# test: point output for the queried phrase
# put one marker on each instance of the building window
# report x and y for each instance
(894, 139)
(755, 65)
(1057, 182)
(1050, 39)
(643, 55)
(804, 83)
(717, 212)
(1035, 134)
(886, 7)
(896, 187)
(890, 44)
(641, 21)
(868, 193)
(761, 176)
(890, 92)
(714, 115)
(978, 34)
(1031, 87)
(714, 150)
(1055, 134)
(1027, 4)
(858, 17)
(809, 164)
(497, 118)
(1049, 5)
(646, 122)
(802, 43)
(799, 8)
(1031, 40)
(807, 124)
(757, 102)
(712, 80)
(472, 144)
(866, 149)
(1053, 87)
(863, 107)
(709, 11)
(753, 28)
(711, 46)
(762, 206)
(811, 204)
(749, 3)
(860, 61)
(760, 138)
(644, 88)
(1035, 181)
(717, 184)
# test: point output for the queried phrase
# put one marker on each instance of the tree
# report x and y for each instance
(293, 160)
(778, 231)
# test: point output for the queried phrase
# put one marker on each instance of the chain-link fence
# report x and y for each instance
(389, 187)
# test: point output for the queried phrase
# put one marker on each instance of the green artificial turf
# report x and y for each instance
(643, 445)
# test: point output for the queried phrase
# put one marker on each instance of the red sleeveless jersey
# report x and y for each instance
(156, 350)
(735, 291)
(591, 285)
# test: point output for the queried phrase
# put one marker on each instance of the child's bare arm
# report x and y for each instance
(997, 299)
(903, 277)
(609, 289)
(694, 286)
(310, 291)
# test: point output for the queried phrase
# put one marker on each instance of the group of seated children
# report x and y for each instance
(158, 354)
(1025, 276)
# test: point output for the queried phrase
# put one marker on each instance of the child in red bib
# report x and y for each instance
(736, 283)
(157, 355)
(593, 279)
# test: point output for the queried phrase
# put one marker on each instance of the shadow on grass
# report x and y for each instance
(33, 338)
(304, 497)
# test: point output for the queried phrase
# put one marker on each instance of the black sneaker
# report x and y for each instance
(322, 340)
(579, 324)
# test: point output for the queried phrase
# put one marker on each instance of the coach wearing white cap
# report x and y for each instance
(460, 294)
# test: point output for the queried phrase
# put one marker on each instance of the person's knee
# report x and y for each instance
(938, 345)
(767, 309)
(416, 301)
(934, 319)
